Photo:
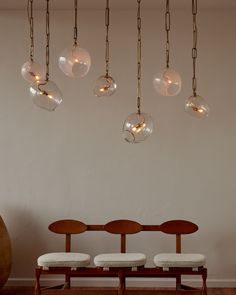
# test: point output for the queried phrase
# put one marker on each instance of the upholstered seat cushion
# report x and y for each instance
(179, 260)
(62, 259)
(120, 260)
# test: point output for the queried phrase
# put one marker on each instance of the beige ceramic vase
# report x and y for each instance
(5, 254)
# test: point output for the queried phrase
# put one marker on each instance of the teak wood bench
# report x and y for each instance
(122, 265)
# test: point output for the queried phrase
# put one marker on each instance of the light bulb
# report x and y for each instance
(137, 127)
(197, 107)
(105, 86)
(74, 62)
(46, 95)
(32, 71)
(167, 82)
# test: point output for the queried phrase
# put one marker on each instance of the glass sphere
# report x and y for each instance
(167, 82)
(74, 62)
(46, 95)
(105, 86)
(137, 127)
(32, 71)
(197, 107)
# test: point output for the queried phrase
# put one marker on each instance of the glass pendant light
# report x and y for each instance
(168, 81)
(31, 70)
(195, 105)
(105, 84)
(75, 61)
(45, 93)
(138, 126)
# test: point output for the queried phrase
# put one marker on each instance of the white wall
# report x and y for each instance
(73, 163)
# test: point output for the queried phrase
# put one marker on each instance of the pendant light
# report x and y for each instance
(75, 61)
(105, 84)
(31, 70)
(45, 92)
(195, 105)
(168, 81)
(138, 126)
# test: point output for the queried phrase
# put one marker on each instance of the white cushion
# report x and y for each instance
(64, 259)
(179, 260)
(120, 260)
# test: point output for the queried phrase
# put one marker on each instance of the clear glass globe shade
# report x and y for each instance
(32, 71)
(137, 127)
(197, 107)
(46, 95)
(105, 86)
(74, 62)
(167, 82)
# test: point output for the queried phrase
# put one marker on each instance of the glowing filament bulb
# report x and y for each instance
(139, 127)
(75, 62)
(105, 86)
(197, 107)
(46, 95)
(167, 82)
(32, 71)
(200, 110)
(34, 77)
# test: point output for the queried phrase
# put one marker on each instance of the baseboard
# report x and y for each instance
(131, 282)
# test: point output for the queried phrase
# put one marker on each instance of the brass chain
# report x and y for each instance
(31, 23)
(194, 49)
(76, 25)
(47, 40)
(139, 54)
(167, 29)
(107, 23)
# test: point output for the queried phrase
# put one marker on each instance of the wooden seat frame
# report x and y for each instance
(123, 228)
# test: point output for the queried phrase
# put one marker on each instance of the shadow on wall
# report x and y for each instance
(26, 242)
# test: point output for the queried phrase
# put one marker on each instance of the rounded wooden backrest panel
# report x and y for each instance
(67, 226)
(176, 227)
(123, 227)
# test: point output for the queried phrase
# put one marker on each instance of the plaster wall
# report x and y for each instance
(73, 163)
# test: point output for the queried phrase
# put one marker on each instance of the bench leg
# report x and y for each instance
(204, 287)
(67, 282)
(178, 282)
(37, 290)
(121, 284)
(124, 282)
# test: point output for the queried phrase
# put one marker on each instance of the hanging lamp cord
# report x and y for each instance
(47, 40)
(76, 25)
(139, 54)
(167, 29)
(31, 24)
(194, 49)
(107, 23)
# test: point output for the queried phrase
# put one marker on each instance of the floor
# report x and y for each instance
(110, 291)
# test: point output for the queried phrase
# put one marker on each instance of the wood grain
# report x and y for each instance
(123, 227)
(67, 226)
(181, 227)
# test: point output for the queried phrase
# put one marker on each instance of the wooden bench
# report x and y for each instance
(122, 265)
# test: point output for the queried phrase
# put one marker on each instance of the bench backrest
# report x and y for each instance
(123, 228)
(67, 227)
(178, 228)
